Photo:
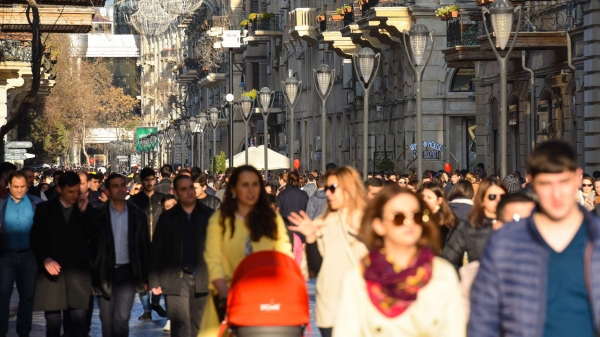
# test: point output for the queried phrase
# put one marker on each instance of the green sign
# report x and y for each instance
(143, 131)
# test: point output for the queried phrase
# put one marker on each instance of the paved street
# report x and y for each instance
(146, 329)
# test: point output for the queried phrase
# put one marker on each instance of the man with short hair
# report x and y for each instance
(539, 276)
(454, 178)
(221, 192)
(59, 239)
(17, 262)
(120, 244)
(318, 201)
(164, 186)
(6, 169)
(149, 202)
(513, 207)
(310, 188)
(392, 177)
(33, 190)
(207, 200)
(51, 192)
(403, 180)
(373, 185)
(177, 266)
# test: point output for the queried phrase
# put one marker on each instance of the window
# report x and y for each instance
(462, 80)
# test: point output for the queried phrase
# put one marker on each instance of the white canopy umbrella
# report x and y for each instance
(256, 158)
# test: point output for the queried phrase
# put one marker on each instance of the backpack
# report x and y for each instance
(268, 297)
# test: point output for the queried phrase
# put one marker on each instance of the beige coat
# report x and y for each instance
(336, 246)
(437, 312)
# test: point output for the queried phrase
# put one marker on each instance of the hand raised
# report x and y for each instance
(305, 226)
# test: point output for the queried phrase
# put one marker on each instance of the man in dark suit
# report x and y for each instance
(60, 242)
(120, 243)
(177, 267)
(164, 185)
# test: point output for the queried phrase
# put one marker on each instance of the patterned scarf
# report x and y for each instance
(390, 289)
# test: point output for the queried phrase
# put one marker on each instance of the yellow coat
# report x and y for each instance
(224, 253)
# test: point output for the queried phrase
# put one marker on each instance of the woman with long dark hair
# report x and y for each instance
(472, 237)
(400, 288)
(245, 224)
(434, 196)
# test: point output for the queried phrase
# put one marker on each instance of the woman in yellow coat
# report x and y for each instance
(245, 224)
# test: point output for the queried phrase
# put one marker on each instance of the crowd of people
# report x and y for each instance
(450, 254)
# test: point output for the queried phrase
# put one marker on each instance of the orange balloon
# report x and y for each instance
(296, 163)
(447, 167)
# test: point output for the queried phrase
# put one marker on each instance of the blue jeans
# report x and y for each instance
(145, 299)
(116, 311)
(22, 268)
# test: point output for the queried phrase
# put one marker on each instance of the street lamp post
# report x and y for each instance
(264, 98)
(161, 141)
(214, 122)
(366, 61)
(502, 19)
(247, 105)
(171, 133)
(292, 89)
(324, 77)
(153, 149)
(183, 129)
(193, 131)
(231, 117)
(418, 42)
(202, 121)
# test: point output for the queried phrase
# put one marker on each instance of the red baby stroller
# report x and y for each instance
(268, 297)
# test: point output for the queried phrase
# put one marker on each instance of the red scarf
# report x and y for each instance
(392, 290)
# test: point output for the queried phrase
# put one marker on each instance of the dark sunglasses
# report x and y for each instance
(399, 219)
(493, 197)
(587, 185)
(331, 188)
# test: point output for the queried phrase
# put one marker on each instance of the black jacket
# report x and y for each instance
(466, 238)
(143, 202)
(211, 202)
(289, 200)
(35, 190)
(103, 249)
(163, 186)
(67, 243)
(461, 207)
(93, 199)
(166, 253)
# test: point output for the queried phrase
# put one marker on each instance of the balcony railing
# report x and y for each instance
(546, 16)
(15, 51)
(273, 23)
(278, 100)
(385, 3)
(328, 24)
(464, 30)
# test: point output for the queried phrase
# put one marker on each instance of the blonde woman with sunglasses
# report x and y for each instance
(332, 245)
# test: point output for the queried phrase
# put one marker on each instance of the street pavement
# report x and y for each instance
(137, 328)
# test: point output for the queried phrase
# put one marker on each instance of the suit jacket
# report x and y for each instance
(166, 257)
(163, 186)
(142, 201)
(67, 243)
(103, 249)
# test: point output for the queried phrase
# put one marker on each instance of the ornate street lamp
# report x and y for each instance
(292, 90)
(230, 113)
(183, 130)
(366, 62)
(264, 98)
(214, 122)
(161, 141)
(153, 140)
(192, 127)
(501, 13)
(418, 42)
(201, 126)
(171, 136)
(247, 105)
(324, 77)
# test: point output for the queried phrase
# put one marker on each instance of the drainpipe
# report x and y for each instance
(531, 133)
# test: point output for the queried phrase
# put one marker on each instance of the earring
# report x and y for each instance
(233, 196)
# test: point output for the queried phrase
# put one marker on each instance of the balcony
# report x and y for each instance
(328, 28)
(52, 19)
(266, 27)
(15, 51)
(361, 36)
(386, 17)
(212, 78)
(302, 24)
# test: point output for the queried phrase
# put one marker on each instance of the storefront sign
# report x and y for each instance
(433, 152)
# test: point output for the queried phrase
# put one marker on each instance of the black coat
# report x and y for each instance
(466, 238)
(103, 249)
(290, 200)
(461, 209)
(211, 202)
(166, 253)
(142, 201)
(68, 244)
(163, 186)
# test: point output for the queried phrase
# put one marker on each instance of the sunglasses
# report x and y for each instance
(402, 182)
(587, 185)
(331, 188)
(400, 219)
(493, 197)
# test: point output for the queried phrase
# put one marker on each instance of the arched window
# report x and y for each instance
(462, 80)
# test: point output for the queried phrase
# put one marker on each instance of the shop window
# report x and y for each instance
(463, 80)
